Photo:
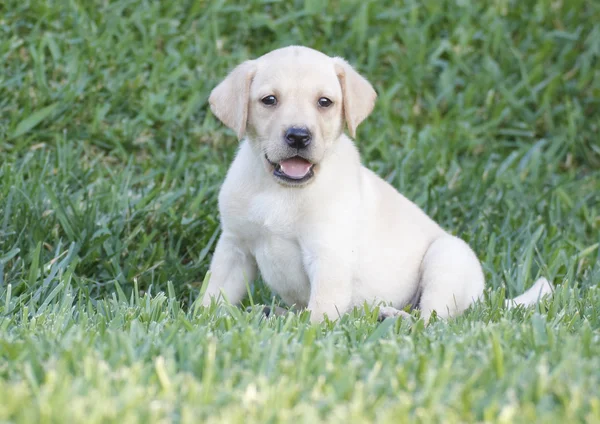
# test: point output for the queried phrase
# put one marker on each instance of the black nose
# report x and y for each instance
(298, 138)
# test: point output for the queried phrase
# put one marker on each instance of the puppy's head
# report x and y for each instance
(292, 104)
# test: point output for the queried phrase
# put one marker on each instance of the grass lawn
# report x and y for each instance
(488, 117)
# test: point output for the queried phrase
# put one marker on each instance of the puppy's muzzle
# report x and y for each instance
(298, 138)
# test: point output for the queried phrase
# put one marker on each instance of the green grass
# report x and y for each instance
(488, 117)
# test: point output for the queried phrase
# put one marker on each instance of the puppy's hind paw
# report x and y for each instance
(390, 312)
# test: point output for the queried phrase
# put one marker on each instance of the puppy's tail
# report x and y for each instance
(531, 296)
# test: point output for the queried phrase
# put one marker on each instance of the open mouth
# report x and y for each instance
(294, 170)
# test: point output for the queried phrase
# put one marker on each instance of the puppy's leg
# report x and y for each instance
(231, 269)
(330, 288)
(327, 297)
(451, 278)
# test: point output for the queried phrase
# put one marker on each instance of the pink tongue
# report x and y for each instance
(295, 167)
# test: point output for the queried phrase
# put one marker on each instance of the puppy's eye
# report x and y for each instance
(324, 102)
(269, 100)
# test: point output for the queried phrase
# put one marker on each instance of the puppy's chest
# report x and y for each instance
(269, 228)
(281, 265)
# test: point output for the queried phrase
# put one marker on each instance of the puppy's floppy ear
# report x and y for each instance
(359, 95)
(229, 100)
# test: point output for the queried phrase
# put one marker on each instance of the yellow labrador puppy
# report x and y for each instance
(325, 232)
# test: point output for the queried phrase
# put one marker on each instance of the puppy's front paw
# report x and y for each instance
(270, 311)
(390, 312)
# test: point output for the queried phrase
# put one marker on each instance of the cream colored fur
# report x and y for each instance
(344, 237)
